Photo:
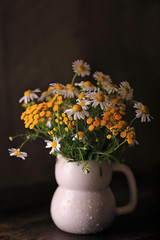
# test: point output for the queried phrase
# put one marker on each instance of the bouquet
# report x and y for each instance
(82, 121)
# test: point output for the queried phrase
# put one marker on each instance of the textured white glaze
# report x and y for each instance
(82, 203)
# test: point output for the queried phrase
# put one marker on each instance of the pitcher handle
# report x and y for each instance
(132, 186)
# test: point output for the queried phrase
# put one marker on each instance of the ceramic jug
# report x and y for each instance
(84, 203)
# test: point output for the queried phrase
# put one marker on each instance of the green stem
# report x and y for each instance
(119, 145)
(73, 79)
(23, 143)
(77, 128)
(132, 121)
(82, 158)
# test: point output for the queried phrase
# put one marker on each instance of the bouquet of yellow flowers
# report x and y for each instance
(82, 121)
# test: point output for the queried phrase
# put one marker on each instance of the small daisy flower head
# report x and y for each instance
(17, 153)
(99, 99)
(142, 112)
(103, 78)
(55, 145)
(81, 68)
(110, 88)
(77, 111)
(71, 92)
(29, 96)
(81, 136)
(86, 86)
(84, 103)
(59, 88)
(125, 90)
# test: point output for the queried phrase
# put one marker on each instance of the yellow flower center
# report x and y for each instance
(72, 89)
(43, 93)
(54, 144)
(145, 109)
(87, 84)
(81, 95)
(126, 90)
(100, 97)
(27, 92)
(81, 68)
(82, 103)
(77, 108)
(59, 87)
(69, 85)
(17, 153)
(81, 134)
(114, 100)
(101, 78)
(50, 88)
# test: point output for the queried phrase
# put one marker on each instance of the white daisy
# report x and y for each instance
(143, 112)
(78, 111)
(125, 91)
(103, 78)
(17, 153)
(46, 94)
(110, 88)
(29, 95)
(49, 123)
(99, 99)
(81, 68)
(59, 88)
(81, 135)
(84, 103)
(55, 145)
(86, 86)
(71, 92)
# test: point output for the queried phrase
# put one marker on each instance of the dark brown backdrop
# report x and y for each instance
(39, 40)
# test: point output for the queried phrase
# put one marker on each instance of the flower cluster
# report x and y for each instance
(83, 120)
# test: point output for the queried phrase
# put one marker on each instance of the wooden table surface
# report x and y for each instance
(25, 214)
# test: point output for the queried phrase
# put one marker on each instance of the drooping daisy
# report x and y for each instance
(103, 78)
(46, 94)
(55, 145)
(71, 92)
(143, 112)
(81, 68)
(84, 103)
(110, 88)
(86, 86)
(17, 153)
(78, 111)
(49, 122)
(99, 99)
(125, 90)
(59, 88)
(81, 136)
(29, 95)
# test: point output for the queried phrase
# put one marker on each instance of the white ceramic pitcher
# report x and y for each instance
(84, 203)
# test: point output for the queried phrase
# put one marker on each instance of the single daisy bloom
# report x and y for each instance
(71, 92)
(125, 91)
(17, 153)
(142, 112)
(110, 88)
(46, 94)
(59, 88)
(81, 68)
(103, 78)
(78, 111)
(84, 103)
(86, 86)
(81, 135)
(29, 95)
(55, 145)
(99, 99)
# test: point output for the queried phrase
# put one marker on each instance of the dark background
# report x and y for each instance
(40, 39)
